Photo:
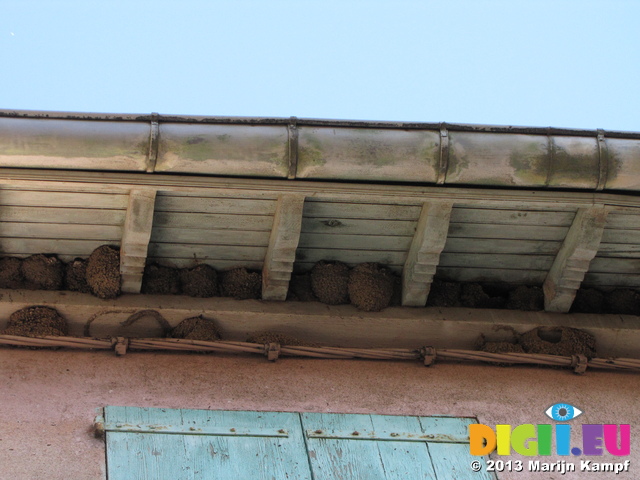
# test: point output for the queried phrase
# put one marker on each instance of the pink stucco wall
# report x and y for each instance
(48, 398)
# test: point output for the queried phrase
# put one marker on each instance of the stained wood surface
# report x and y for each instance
(69, 224)
(222, 232)
(617, 263)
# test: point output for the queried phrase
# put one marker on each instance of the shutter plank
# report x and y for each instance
(176, 457)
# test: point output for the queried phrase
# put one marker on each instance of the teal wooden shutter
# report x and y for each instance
(149, 443)
(389, 447)
(226, 445)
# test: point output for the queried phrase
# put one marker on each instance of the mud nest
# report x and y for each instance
(241, 284)
(42, 272)
(563, 341)
(502, 347)
(282, 339)
(396, 298)
(589, 300)
(624, 301)
(11, 273)
(75, 276)
(36, 322)
(160, 280)
(330, 282)
(200, 281)
(103, 272)
(474, 295)
(370, 287)
(196, 328)
(444, 294)
(300, 289)
(526, 298)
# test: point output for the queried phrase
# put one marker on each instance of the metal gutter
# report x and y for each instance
(316, 149)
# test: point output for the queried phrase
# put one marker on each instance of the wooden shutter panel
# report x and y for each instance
(228, 445)
(222, 445)
(389, 447)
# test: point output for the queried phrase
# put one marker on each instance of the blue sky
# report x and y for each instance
(539, 63)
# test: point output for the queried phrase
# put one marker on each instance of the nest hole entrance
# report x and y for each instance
(551, 335)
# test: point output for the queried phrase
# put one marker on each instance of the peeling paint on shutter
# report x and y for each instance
(229, 445)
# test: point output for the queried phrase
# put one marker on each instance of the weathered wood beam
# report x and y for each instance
(109, 182)
(281, 253)
(135, 238)
(572, 262)
(424, 253)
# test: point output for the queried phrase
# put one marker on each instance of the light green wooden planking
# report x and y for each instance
(618, 280)
(358, 226)
(72, 231)
(621, 236)
(497, 246)
(316, 208)
(203, 252)
(290, 453)
(513, 216)
(619, 220)
(453, 462)
(350, 257)
(29, 246)
(487, 260)
(525, 232)
(355, 242)
(361, 459)
(214, 236)
(234, 206)
(492, 275)
(45, 214)
(206, 221)
(615, 265)
(176, 457)
(353, 459)
(37, 198)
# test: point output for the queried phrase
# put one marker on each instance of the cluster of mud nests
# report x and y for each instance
(368, 286)
(371, 287)
(98, 275)
(39, 321)
(563, 341)
(202, 281)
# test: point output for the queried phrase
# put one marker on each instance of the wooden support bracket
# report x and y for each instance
(281, 253)
(572, 262)
(135, 238)
(424, 253)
